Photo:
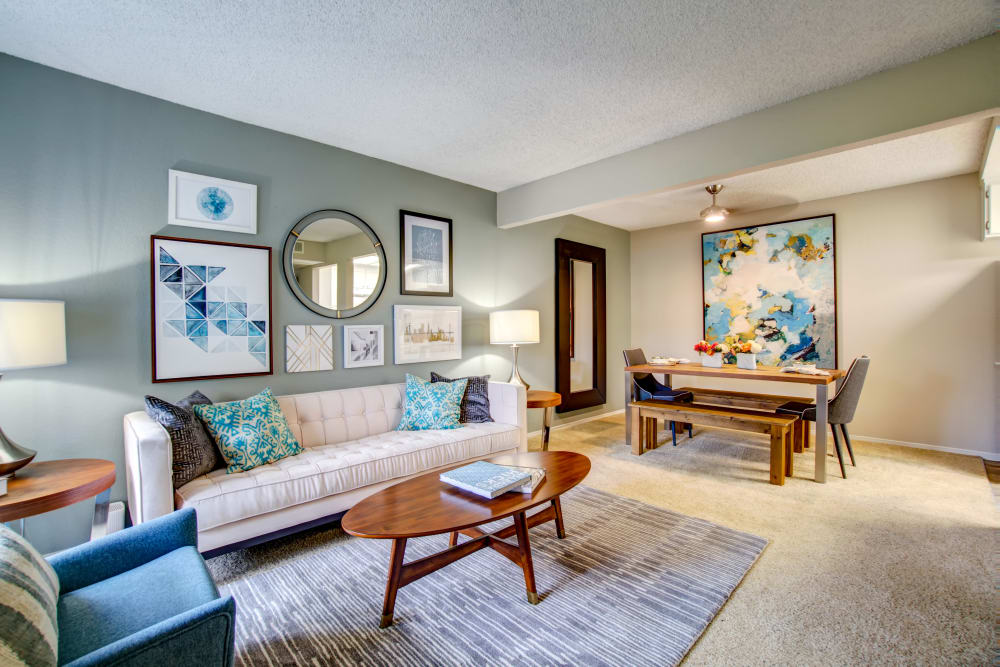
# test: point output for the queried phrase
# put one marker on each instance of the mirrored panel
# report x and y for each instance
(334, 263)
(581, 326)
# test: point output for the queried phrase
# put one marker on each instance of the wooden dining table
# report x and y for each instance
(761, 374)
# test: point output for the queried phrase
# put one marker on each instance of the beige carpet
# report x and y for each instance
(893, 565)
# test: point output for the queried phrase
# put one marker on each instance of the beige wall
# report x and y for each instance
(917, 291)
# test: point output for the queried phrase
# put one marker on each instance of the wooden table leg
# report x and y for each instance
(392, 584)
(789, 449)
(453, 538)
(560, 528)
(821, 428)
(629, 417)
(524, 545)
(778, 454)
(546, 426)
(634, 432)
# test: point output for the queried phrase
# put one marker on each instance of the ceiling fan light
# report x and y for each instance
(714, 214)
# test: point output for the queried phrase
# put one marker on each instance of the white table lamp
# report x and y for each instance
(514, 328)
(32, 334)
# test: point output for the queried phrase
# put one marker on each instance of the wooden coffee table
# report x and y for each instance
(425, 505)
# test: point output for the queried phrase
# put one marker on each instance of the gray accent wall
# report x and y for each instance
(83, 185)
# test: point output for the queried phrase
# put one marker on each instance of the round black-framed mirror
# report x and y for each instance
(334, 263)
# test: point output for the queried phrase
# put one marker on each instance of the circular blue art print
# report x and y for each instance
(215, 203)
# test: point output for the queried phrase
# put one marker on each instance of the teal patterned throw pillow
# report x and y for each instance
(432, 405)
(250, 432)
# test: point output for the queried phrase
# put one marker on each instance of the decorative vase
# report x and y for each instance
(711, 360)
(746, 361)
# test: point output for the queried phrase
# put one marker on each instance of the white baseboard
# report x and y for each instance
(582, 420)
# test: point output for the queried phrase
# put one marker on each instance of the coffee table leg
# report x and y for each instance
(453, 538)
(560, 529)
(521, 528)
(392, 585)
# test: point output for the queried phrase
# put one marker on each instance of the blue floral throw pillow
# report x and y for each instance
(250, 432)
(430, 405)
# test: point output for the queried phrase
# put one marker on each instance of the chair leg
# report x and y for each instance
(690, 430)
(840, 455)
(673, 432)
(847, 441)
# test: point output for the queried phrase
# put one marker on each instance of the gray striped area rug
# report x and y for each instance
(631, 584)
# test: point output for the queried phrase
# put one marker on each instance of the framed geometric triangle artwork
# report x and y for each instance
(211, 309)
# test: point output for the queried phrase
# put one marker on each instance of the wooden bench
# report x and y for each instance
(779, 427)
(752, 401)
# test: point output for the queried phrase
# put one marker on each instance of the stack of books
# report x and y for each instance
(490, 480)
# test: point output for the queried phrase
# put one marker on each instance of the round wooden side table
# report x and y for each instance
(546, 400)
(42, 486)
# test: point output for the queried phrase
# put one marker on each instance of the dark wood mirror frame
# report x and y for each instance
(566, 251)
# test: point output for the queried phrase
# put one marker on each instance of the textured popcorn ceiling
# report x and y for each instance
(490, 93)
(939, 153)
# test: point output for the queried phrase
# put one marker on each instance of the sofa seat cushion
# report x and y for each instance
(325, 470)
(112, 609)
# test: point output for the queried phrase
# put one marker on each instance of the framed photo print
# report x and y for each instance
(308, 347)
(425, 264)
(211, 203)
(364, 345)
(211, 309)
(427, 333)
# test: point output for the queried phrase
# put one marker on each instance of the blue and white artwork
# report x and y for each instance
(211, 203)
(774, 284)
(426, 250)
(211, 309)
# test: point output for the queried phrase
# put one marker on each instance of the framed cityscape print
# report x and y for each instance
(308, 347)
(211, 309)
(364, 345)
(211, 203)
(425, 262)
(775, 284)
(426, 333)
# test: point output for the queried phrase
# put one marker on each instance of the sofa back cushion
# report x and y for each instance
(341, 415)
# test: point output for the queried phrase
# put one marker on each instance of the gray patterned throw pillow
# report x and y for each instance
(476, 402)
(194, 452)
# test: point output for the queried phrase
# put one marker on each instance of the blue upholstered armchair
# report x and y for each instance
(143, 596)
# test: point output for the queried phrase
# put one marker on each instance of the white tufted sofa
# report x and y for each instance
(351, 451)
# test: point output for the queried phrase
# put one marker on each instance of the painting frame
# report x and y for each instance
(309, 348)
(409, 352)
(409, 285)
(158, 308)
(349, 331)
(833, 276)
(182, 210)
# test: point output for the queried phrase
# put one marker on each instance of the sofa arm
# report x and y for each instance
(125, 550)
(205, 635)
(148, 468)
(509, 405)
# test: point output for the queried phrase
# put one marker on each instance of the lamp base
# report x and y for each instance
(13, 457)
(515, 377)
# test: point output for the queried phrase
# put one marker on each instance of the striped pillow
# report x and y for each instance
(29, 591)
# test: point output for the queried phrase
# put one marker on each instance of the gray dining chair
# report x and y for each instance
(841, 408)
(649, 388)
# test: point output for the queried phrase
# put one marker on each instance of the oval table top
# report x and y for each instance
(42, 486)
(425, 505)
(538, 398)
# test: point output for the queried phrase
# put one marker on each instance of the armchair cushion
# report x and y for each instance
(110, 610)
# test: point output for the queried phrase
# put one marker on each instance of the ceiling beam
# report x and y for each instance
(955, 83)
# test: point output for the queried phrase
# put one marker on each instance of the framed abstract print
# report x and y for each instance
(211, 309)
(364, 345)
(308, 347)
(425, 262)
(211, 203)
(775, 284)
(426, 333)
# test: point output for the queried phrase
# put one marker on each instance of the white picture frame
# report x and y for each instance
(426, 333)
(364, 345)
(206, 202)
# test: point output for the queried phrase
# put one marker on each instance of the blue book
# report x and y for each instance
(485, 479)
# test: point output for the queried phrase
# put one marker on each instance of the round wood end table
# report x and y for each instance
(42, 486)
(425, 505)
(546, 400)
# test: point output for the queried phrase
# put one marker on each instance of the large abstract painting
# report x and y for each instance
(211, 309)
(775, 284)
